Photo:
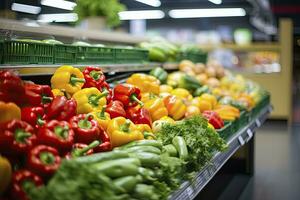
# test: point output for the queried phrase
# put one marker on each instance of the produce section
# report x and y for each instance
(138, 137)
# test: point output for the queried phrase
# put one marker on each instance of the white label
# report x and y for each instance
(250, 134)
(258, 124)
(241, 140)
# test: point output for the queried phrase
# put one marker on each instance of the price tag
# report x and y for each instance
(258, 124)
(250, 134)
(241, 140)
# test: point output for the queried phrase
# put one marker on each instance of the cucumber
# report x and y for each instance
(118, 168)
(99, 157)
(181, 147)
(127, 183)
(153, 143)
(170, 149)
(147, 159)
(146, 173)
(149, 149)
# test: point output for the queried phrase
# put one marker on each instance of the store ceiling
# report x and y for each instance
(286, 8)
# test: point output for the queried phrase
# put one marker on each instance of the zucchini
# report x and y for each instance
(170, 149)
(181, 147)
(153, 143)
(127, 183)
(147, 159)
(149, 149)
(118, 168)
(99, 157)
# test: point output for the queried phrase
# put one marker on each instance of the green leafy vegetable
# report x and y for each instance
(108, 9)
(201, 140)
(76, 181)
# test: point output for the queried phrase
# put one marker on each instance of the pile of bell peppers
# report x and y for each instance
(80, 114)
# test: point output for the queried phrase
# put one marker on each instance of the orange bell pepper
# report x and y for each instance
(175, 106)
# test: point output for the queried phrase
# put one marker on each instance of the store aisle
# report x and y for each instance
(277, 166)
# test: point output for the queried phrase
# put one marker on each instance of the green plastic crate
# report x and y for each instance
(94, 55)
(244, 119)
(22, 52)
(194, 57)
(131, 55)
(65, 54)
(226, 131)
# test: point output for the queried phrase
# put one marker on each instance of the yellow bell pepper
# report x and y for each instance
(9, 111)
(175, 106)
(146, 130)
(165, 88)
(102, 118)
(156, 125)
(148, 96)
(156, 108)
(194, 102)
(145, 83)
(204, 105)
(191, 111)
(210, 98)
(68, 78)
(89, 100)
(182, 93)
(210, 126)
(227, 112)
(60, 92)
(122, 131)
(5, 174)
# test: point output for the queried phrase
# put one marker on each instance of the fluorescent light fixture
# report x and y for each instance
(66, 5)
(216, 1)
(141, 14)
(154, 3)
(213, 12)
(25, 8)
(63, 17)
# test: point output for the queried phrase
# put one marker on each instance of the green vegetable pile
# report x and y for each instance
(144, 169)
(108, 9)
(201, 140)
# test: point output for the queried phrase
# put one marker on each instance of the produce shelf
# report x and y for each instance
(189, 190)
(33, 69)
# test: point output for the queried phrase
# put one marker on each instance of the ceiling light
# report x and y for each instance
(154, 3)
(141, 14)
(25, 8)
(216, 1)
(63, 17)
(66, 5)
(213, 12)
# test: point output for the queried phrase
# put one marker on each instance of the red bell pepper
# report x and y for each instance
(17, 137)
(105, 144)
(22, 182)
(57, 134)
(38, 95)
(94, 77)
(33, 115)
(85, 127)
(105, 87)
(79, 149)
(213, 118)
(128, 94)
(139, 115)
(61, 109)
(11, 88)
(43, 160)
(115, 109)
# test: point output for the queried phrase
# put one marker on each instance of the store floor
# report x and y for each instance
(277, 163)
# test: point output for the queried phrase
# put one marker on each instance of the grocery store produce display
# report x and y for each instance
(83, 138)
